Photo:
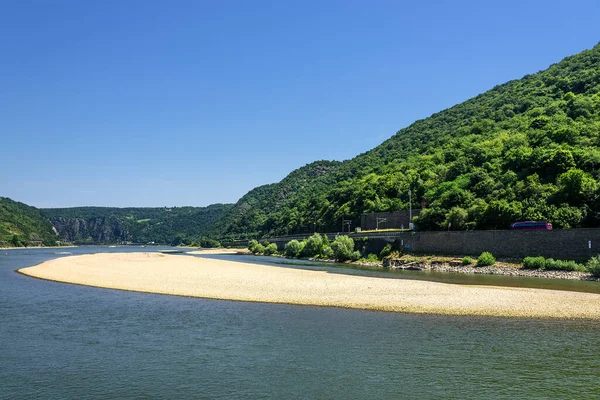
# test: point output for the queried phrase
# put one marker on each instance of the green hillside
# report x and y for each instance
(23, 225)
(525, 150)
(267, 208)
(528, 149)
(176, 225)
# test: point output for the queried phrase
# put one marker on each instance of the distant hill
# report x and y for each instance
(269, 208)
(176, 225)
(23, 225)
(528, 149)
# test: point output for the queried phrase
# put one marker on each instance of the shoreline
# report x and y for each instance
(240, 281)
(506, 270)
(38, 247)
(500, 268)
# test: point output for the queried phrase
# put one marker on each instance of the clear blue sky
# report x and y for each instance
(154, 103)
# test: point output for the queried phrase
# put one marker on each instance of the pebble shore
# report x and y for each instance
(499, 268)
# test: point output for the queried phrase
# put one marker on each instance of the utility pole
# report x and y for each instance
(410, 224)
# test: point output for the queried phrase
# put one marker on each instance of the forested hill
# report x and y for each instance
(267, 208)
(528, 149)
(165, 225)
(23, 225)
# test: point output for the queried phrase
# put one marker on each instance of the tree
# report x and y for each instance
(293, 248)
(577, 186)
(252, 244)
(567, 217)
(457, 218)
(15, 241)
(501, 213)
(430, 219)
(313, 246)
(270, 249)
(258, 249)
(343, 248)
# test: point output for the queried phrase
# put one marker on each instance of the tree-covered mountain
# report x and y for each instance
(525, 150)
(175, 225)
(23, 225)
(267, 208)
(528, 149)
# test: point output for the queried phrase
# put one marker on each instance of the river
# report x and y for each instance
(62, 341)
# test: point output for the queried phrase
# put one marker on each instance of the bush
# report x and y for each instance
(258, 249)
(486, 258)
(270, 249)
(372, 258)
(534, 262)
(252, 244)
(313, 246)
(593, 266)
(209, 243)
(293, 248)
(355, 256)
(562, 265)
(385, 251)
(467, 261)
(551, 264)
(343, 248)
(328, 253)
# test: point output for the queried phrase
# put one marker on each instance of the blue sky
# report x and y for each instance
(161, 103)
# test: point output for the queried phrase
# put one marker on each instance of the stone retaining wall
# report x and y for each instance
(568, 244)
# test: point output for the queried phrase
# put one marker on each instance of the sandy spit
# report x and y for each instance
(219, 251)
(219, 279)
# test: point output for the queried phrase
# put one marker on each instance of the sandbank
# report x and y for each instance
(231, 280)
(219, 251)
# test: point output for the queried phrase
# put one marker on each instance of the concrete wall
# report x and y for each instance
(568, 244)
(394, 219)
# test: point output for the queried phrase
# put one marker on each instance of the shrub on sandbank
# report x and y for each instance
(593, 266)
(551, 264)
(485, 259)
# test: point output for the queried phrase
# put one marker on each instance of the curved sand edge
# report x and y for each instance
(219, 251)
(230, 280)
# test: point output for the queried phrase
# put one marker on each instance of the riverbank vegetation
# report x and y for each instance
(316, 246)
(552, 265)
(593, 266)
(342, 249)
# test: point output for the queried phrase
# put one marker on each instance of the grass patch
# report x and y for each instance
(551, 264)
